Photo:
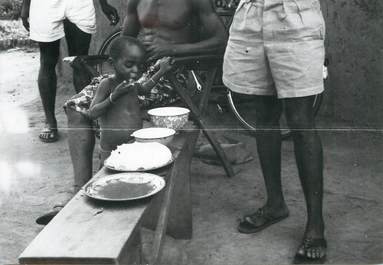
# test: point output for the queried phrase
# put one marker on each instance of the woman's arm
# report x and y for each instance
(165, 65)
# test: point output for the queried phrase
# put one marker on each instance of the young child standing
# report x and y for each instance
(116, 103)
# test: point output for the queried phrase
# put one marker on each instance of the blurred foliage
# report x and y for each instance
(10, 9)
(12, 29)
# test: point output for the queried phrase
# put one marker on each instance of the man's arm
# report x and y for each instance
(213, 26)
(110, 12)
(131, 26)
(25, 13)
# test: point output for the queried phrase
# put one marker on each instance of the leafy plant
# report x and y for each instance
(10, 9)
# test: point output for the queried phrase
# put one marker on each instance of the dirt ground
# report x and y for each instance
(35, 176)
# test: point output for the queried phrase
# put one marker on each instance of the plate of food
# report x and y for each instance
(139, 156)
(124, 186)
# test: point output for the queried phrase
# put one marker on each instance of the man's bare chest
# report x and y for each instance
(172, 14)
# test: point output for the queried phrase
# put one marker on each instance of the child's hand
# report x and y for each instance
(122, 89)
(165, 64)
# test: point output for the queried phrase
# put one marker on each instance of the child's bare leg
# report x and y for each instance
(81, 144)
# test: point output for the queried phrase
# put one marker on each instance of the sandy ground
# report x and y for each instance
(35, 176)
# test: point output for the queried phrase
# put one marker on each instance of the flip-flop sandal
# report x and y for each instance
(307, 244)
(52, 135)
(257, 221)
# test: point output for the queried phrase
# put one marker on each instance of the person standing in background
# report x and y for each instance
(48, 21)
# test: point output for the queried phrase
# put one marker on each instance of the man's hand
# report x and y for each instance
(110, 12)
(24, 14)
(25, 21)
(158, 50)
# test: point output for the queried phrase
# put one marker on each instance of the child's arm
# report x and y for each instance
(101, 101)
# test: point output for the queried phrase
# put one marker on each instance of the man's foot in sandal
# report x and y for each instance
(49, 134)
(311, 251)
(261, 219)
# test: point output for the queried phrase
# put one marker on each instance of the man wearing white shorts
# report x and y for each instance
(48, 21)
(275, 53)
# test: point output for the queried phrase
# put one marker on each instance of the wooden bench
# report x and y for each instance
(87, 231)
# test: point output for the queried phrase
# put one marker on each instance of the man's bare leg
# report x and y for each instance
(268, 112)
(78, 44)
(309, 158)
(47, 83)
(81, 141)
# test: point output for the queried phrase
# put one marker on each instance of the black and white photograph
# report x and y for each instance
(191, 132)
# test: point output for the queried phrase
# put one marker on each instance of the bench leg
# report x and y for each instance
(179, 209)
(132, 253)
(180, 224)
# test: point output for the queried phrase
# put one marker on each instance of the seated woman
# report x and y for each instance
(170, 29)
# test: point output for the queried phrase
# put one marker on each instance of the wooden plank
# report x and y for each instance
(178, 187)
(180, 223)
(81, 232)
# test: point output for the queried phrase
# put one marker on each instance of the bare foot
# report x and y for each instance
(312, 250)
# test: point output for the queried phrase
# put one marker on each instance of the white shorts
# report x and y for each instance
(276, 47)
(46, 18)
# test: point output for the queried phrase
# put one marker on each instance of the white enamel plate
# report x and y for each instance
(125, 186)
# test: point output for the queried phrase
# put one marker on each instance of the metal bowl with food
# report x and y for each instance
(154, 134)
(170, 117)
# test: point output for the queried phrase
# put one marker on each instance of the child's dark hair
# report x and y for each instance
(120, 43)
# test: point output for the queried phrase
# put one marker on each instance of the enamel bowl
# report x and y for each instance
(170, 117)
(154, 134)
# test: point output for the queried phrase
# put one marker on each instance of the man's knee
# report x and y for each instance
(48, 62)
(268, 112)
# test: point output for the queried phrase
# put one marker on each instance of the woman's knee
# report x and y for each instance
(77, 119)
